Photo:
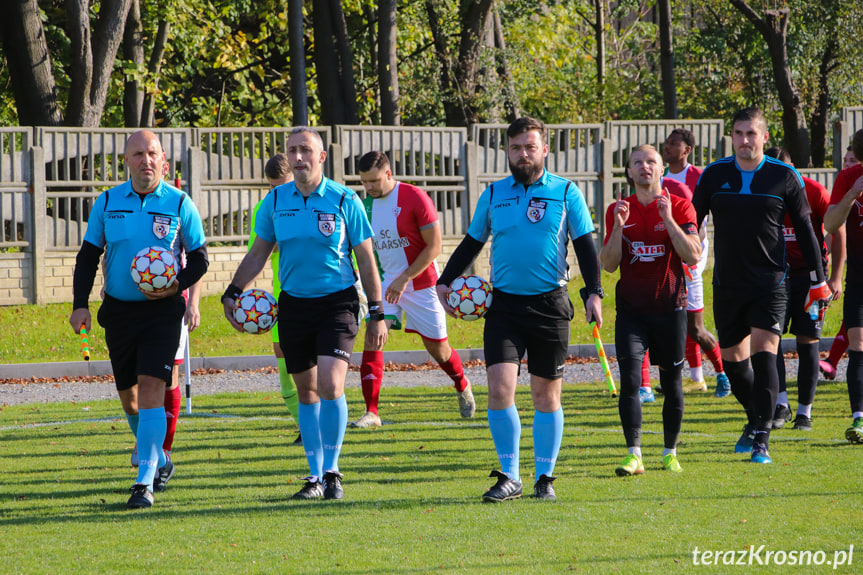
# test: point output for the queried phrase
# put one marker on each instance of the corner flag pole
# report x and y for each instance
(187, 363)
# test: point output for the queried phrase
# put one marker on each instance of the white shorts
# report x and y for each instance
(695, 288)
(425, 314)
(181, 350)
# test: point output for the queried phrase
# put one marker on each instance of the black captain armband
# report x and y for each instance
(376, 311)
(231, 293)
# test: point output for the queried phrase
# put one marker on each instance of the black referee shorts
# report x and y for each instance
(142, 337)
(310, 327)
(538, 324)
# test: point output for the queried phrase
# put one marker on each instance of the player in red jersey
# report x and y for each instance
(675, 153)
(407, 241)
(846, 209)
(650, 236)
(806, 329)
(840, 342)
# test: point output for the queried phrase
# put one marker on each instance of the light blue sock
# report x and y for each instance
(310, 428)
(547, 435)
(505, 427)
(152, 426)
(133, 423)
(334, 421)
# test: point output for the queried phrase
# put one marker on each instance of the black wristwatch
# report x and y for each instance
(598, 291)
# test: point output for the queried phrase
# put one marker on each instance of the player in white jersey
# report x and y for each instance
(407, 240)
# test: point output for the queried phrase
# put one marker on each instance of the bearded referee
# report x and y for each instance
(530, 216)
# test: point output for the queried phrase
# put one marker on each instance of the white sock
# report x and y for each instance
(782, 398)
(857, 414)
(804, 410)
(697, 374)
(667, 451)
(636, 451)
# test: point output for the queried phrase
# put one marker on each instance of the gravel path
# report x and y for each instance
(268, 380)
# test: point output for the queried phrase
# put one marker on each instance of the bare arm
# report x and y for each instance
(611, 253)
(433, 240)
(837, 213)
(837, 262)
(252, 265)
(376, 330)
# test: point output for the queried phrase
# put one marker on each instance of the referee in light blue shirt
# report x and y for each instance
(530, 217)
(142, 329)
(316, 224)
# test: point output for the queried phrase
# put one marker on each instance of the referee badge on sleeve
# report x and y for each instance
(161, 226)
(536, 210)
(327, 224)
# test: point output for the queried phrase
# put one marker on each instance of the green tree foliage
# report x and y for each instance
(227, 60)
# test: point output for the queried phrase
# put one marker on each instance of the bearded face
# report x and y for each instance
(526, 153)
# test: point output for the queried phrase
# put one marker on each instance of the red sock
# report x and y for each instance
(693, 352)
(453, 368)
(173, 400)
(715, 358)
(840, 345)
(371, 374)
(645, 370)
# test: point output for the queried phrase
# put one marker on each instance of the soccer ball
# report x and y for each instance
(154, 269)
(470, 297)
(257, 311)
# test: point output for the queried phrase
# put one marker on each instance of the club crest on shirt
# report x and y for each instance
(397, 210)
(536, 210)
(660, 227)
(161, 226)
(327, 224)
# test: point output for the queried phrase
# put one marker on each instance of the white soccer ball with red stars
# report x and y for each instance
(470, 297)
(257, 311)
(154, 269)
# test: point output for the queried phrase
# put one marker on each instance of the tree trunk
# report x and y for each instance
(473, 18)
(92, 60)
(346, 64)
(459, 82)
(510, 98)
(388, 63)
(666, 58)
(154, 68)
(299, 101)
(29, 62)
(774, 27)
(334, 65)
(133, 51)
(599, 35)
(819, 117)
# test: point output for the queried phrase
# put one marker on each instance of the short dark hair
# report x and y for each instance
(307, 130)
(373, 160)
(779, 153)
(685, 135)
(751, 114)
(277, 167)
(526, 124)
(857, 145)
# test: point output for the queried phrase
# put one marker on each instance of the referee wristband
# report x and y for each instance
(231, 293)
(376, 311)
